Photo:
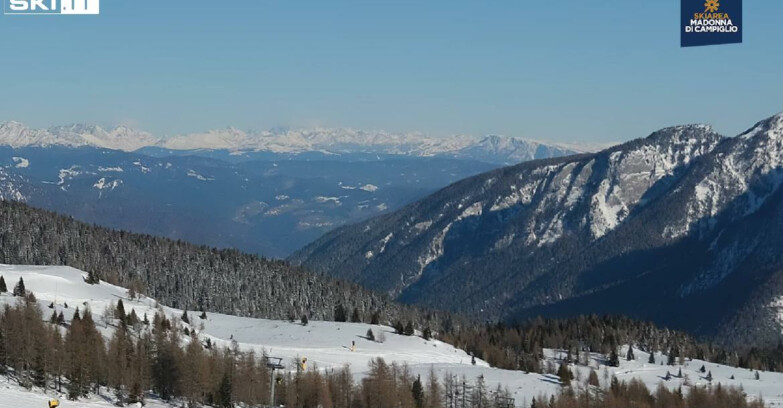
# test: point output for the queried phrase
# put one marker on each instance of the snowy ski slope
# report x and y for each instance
(327, 345)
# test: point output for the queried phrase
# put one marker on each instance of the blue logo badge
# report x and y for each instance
(710, 22)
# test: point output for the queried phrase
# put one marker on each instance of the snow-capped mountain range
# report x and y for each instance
(492, 149)
(682, 227)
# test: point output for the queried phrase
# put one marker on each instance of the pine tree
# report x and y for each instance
(426, 333)
(119, 311)
(203, 315)
(223, 399)
(409, 329)
(629, 356)
(651, 360)
(305, 320)
(185, 318)
(418, 392)
(370, 335)
(565, 374)
(614, 359)
(672, 358)
(19, 289)
(339, 313)
(355, 318)
(133, 319)
(375, 319)
(3, 288)
(93, 278)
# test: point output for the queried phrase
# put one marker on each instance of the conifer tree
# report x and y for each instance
(19, 289)
(426, 333)
(418, 392)
(409, 329)
(185, 318)
(614, 359)
(672, 358)
(339, 313)
(3, 288)
(629, 356)
(119, 311)
(93, 278)
(133, 319)
(565, 374)
(355, 318)
(651, 360)
(224, 393)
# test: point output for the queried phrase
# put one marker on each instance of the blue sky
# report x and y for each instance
(581, 71)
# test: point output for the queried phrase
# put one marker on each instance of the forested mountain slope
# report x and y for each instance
(182, 275)
(682, 227)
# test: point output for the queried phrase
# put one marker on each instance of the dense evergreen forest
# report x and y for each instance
(520, 347)
(187, 276)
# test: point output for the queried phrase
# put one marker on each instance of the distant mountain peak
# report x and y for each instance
(769, 127)
(491, 148)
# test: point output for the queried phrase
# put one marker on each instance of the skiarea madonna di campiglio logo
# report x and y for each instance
(711, 22)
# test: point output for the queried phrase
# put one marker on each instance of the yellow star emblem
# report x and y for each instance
(711, 6)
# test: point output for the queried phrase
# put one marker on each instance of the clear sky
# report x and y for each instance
(569, 70)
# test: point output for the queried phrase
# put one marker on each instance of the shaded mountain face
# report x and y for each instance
(681, 227)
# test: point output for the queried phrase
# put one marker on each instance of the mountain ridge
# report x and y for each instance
(665, 212)
(336, 141)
